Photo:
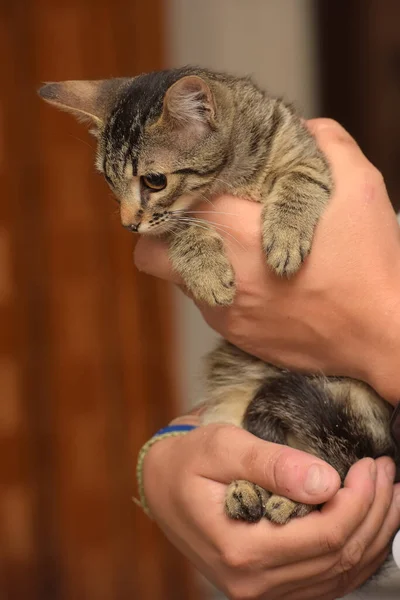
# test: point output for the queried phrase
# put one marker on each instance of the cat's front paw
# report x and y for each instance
(245, 501)
(286, 248)
(281, 510)
(214, 285)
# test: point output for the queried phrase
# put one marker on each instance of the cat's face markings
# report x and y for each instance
(152, 204)
(150, 131)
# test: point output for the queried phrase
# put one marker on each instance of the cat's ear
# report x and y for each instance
(87, 100)
(190, 101)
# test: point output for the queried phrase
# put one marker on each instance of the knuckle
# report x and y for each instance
(234, 558)
(370, 177)
(373, 176)
(244, 590)
(327, 123)
(332, 129)
(278, 468)
(350, 556)
(216, 438)
(334, 541)
(250, 458)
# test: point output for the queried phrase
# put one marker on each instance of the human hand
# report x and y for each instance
(322, 556)
(340, 313)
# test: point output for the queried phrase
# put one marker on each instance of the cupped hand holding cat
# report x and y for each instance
(320, 557)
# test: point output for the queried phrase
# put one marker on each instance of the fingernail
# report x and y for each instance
(318, 480)
(390, 471)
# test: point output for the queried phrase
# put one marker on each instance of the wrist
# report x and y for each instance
(171, 431)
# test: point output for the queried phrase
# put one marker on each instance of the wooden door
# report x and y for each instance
(87, 370)
(360, 76)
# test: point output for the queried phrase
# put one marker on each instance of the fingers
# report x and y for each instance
(276, 468)
(367, 548)
(368, 537)
(336, 143)
(151, 256)
(348, 509)
(389, 527)
(328, 531)
(352, 171)
(365, 574)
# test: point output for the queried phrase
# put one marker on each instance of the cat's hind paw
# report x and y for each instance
(245, 501)
(281, 510)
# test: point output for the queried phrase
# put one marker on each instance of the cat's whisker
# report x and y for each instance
(221, 225)
(200, 195)
(205, 225)
(213, 223)
(233, 238)
(229, 185)
(208, 212)
(81, 140)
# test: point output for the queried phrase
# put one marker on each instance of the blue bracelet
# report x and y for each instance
(174, 428)
(165, 432)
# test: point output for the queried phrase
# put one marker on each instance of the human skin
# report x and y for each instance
(338, 315)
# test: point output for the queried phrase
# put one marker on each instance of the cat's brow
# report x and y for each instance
(190, 171)
(201, 172)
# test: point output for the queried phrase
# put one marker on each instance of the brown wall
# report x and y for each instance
(360, 76)
(86, 356)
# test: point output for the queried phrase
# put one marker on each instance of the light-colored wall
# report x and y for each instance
(274, 41)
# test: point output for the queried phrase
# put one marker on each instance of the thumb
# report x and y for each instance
(226, 453)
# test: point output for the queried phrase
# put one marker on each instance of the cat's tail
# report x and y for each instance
(317, 415)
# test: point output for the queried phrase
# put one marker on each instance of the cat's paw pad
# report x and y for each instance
(281, 510)
(215, 286)
(245, 501)
(286, 249)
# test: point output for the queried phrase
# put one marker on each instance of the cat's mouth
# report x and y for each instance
(160, 222)
(151, 229)
(156, 224)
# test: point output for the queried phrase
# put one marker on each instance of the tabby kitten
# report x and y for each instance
(164, 140)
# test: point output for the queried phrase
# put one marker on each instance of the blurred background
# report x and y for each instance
(95, 357)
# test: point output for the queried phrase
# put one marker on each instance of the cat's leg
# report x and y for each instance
(293, 203)
(249, 502)
(198, 255)
(237, 385)
(246, 501)
(338, 420)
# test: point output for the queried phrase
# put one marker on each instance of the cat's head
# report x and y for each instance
(161, 139)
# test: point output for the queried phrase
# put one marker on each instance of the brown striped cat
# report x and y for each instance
(164, 140)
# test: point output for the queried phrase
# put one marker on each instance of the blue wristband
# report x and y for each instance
(170, 431)
(174, 428)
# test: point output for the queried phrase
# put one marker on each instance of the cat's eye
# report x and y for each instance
(154, 181)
